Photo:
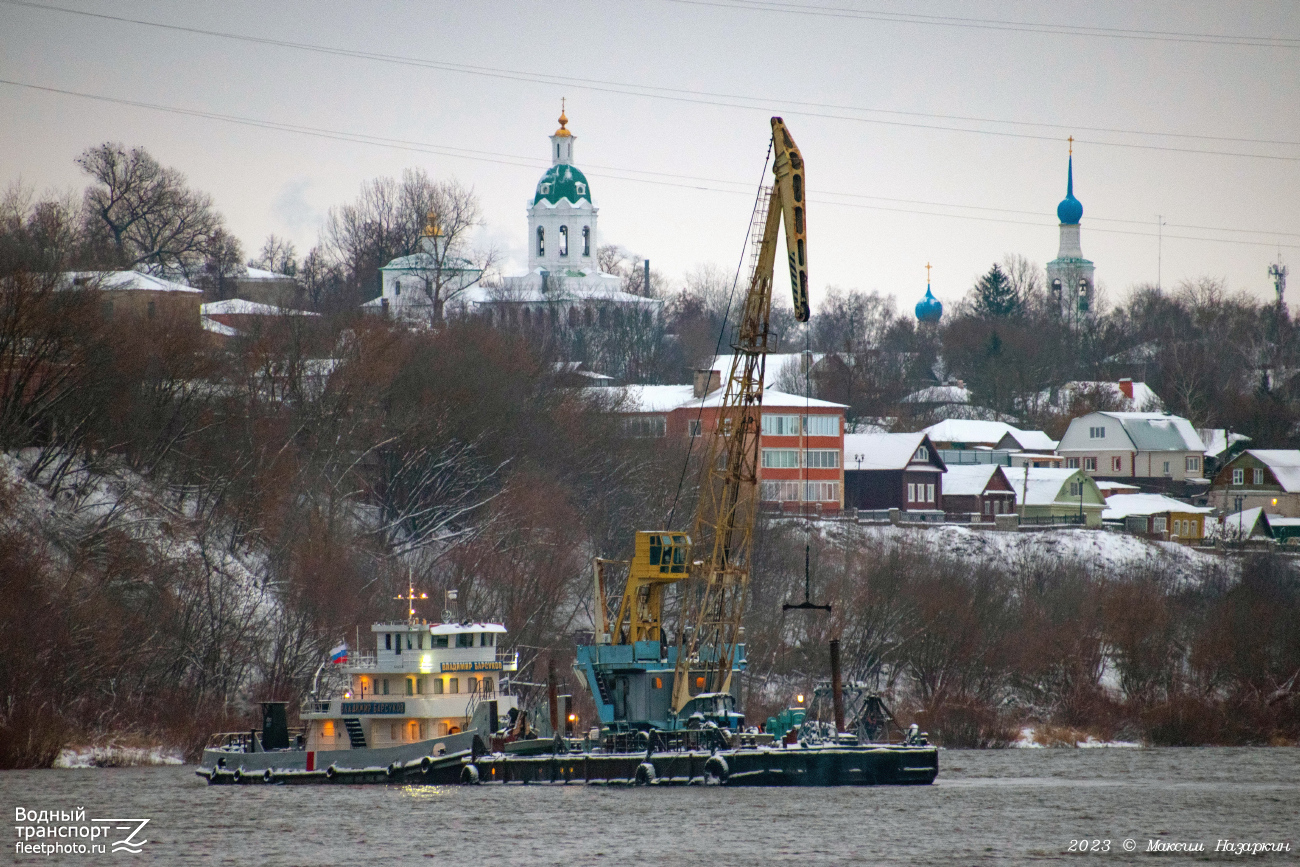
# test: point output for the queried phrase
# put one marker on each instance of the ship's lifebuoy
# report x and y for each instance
(392, 770)
(717, 768)
(469, 775)
(645, 774)
(425, 764)
(239, 774)
(331, 772)
(268, 776)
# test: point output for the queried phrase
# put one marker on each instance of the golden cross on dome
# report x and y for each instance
(927, 273)
(1071, 140)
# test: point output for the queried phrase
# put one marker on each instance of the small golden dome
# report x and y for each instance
(431, 229)
(563, 120)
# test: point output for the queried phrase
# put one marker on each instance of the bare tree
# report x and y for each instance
(152, 219)
(278, 255)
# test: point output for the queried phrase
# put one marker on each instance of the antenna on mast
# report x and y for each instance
(410, 597)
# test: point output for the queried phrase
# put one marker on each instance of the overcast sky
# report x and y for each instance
(932, 131)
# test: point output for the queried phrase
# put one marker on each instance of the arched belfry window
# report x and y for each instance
(586, 240)
(564, 240)
(541, 241)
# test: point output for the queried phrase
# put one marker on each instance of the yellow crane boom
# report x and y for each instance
(714, 601)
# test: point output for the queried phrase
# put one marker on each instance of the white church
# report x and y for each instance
(1070, 277)
(563, 287)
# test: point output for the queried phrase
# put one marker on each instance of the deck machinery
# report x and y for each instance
(641, 677)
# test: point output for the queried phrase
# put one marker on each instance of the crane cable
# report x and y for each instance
(722, 332)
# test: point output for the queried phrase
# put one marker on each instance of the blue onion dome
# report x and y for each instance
(1070, 210)
(929, 308)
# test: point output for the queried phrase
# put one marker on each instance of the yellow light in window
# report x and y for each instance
(1275, 501)
(799, 698)
(426, 663)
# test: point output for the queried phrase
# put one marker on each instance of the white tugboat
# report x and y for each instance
(427, 690)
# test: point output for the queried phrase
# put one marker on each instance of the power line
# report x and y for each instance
(713, 98)
(613, 172)
(1000, 24)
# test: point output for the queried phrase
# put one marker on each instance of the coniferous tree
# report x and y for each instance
(995, 295)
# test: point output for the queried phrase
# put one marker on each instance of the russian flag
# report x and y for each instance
(339, 654)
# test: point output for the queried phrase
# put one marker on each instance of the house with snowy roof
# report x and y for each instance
(968, 433)
(1157, 515)
(136, 295)
(1266, 478)
(1056, 496)
(893, 471)
(801, 439)
(1125, 395)
(1153, 450)
(1243, 526)
(1027, 441)
(977, 492)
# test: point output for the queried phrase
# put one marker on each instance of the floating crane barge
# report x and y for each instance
(666, 703)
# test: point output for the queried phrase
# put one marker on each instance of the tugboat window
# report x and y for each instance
(419, 641)
(437, 641)
(464, 639)
(453, 685)
(408, 642)
(487, 639)
(487, 684)
(471, 685)
(385, 686)
(388, 641)
(437, 686)
(410, 686)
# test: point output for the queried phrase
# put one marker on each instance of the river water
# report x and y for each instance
(987, 807)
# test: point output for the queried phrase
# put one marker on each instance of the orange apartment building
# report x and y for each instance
(801, 441)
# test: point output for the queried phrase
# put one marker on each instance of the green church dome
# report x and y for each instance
(562, 181)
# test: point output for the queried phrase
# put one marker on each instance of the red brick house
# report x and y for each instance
(801, 441)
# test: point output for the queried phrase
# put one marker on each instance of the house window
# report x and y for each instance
(1158, 525)
(1239, 476)
(541, 241)
(564, 240)
(1166, 468)
(988, 507)
(1075, 488)
(911, 492)
(822, 459)
(1192, 529)
(929, 493)
(780, 425)
(821, 425)
(1116, 464)
(780, 459)
(586, 240)
(645, 426)
(1193, 464)
(1071, 463)
(778, 491)
(821, 492)
(922, 454)
(1257, 475)
(1090, 464)
(1097, 433)
(693, 427)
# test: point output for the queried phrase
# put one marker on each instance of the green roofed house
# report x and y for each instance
(1056, 496)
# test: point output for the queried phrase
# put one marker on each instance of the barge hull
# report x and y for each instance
(867, 765)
